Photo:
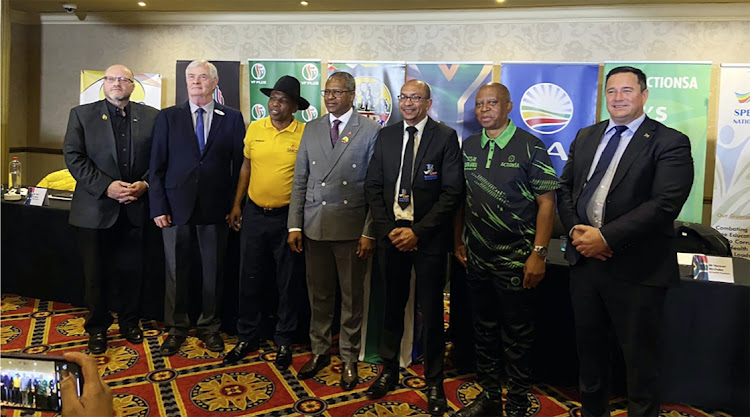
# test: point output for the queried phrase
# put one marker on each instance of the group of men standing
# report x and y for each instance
(322, 198)
(23, 389)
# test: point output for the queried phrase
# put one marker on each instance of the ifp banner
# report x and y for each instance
(265, 72)
(678, 97)
(454, 89)
(552, 101)
(147, 88)
(227, 91)
(378, 85)
(731, 204)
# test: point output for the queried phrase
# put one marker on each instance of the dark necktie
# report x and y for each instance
(199, 129)
(335, 132)
(404, 197)
(596, 178)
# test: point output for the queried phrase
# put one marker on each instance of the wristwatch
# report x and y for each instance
(541, 250)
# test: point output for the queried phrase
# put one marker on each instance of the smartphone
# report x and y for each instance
(33, 381)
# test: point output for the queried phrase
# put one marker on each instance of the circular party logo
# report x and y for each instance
(310, 72)
(309, 114)
(546, 108)
(259, 112)
(373, 100)
(258, 71)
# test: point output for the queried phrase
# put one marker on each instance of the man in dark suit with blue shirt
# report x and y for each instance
(107, 148)
(623, 186)
(195, 161)
(414, 186)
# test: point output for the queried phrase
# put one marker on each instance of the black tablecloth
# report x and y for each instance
(705, 336)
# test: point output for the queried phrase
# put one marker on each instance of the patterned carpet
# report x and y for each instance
(195, 382)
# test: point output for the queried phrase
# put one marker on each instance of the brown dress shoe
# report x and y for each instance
(313, 366)
(349, 376)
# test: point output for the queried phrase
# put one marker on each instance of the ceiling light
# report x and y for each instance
(142, 3)
(304, 3)
(499, 1)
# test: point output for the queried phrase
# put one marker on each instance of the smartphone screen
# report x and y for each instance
(33, 381)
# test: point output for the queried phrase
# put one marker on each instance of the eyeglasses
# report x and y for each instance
(336, 93)
(111, 80)
(413, 98)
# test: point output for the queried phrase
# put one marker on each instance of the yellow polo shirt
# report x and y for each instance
(272, 155)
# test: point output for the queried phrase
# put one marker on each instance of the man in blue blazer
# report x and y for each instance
(107, 148)
(195, 160)
(623, 186)
(328, 206)
(414, 186)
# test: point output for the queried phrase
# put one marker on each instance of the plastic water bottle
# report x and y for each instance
(15, 175)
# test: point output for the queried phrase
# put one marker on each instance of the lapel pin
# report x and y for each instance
(345, 139)
(219, 112)
(647, 135)
(104, 117)
(135, 120)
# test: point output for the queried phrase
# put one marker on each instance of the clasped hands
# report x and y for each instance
(404, 239)
(126, 192)
(588, 241)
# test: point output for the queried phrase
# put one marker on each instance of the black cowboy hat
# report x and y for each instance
(289, 86)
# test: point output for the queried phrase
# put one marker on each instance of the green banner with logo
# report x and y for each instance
(265, 72)
(678, 97)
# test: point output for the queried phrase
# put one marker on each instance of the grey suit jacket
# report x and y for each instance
(91, 156)
(328, 195)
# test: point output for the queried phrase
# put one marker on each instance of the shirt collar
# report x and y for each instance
(344, 117)
(113, 109)
(504, 137)
(208, 107)
(291, 128)
(632, 126)
(420, 126)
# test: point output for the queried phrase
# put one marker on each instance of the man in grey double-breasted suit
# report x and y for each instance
(328, 205)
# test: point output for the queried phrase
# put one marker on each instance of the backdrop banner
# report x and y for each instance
(265, 72)
(454, 87)
(147, 88)
(731, 201)
(227, 91)
(378, 85)
(552, 101)
(678, 97)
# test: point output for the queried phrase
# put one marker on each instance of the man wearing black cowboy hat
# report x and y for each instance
(271, 145)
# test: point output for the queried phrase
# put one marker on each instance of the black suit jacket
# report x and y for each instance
(436, 200)
(180, 175)
(91, 156)
(651, 184)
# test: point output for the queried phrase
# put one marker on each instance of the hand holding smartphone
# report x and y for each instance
(33, 381)
(66, 392)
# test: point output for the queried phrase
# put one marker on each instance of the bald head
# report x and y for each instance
(118, 85)
(414, 101)
(492, 108)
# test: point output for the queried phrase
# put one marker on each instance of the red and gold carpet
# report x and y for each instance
(194, 382)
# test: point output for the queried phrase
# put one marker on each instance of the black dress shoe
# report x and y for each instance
(240, 350)
(98, 343)
(212, 341)
(481, 407)
(313, 366)
(349, 376)
(436, 403)
(171, 345)
(384, 383)
(283, 356)
(133, 334)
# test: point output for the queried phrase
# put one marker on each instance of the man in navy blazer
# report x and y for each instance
(413, 228)
(623, 186)
(195, 160)
(107, 148)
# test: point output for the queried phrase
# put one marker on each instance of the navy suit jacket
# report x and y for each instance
(436, 198)
(180, 176)
(651, 183)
